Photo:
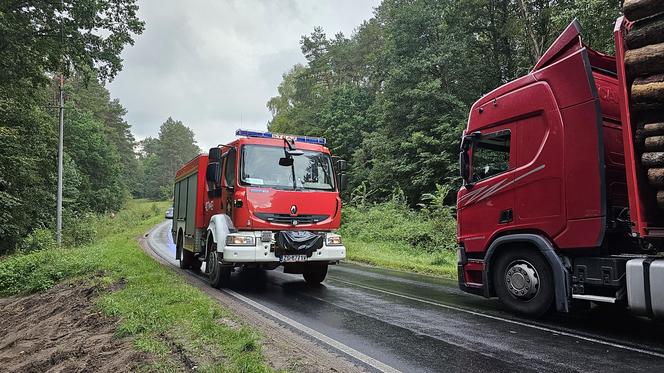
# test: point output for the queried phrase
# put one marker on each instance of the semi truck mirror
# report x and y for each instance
(341, 165)
(342, 181)
(214, 155)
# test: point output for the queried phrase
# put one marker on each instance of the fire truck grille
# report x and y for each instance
(291, 220)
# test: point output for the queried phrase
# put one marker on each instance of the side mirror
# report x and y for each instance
(286, 161)
(214, 155)
(342, 181)
(213, 173)
(342, 165)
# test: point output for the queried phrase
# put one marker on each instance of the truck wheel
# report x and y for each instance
(218, 275)
(315, 273)
(185, 255)
(523, 282)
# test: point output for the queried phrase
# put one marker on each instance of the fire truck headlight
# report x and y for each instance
(238, 240)
(332, 239)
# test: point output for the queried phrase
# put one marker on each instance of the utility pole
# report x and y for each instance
(58, 209)
(61, 107)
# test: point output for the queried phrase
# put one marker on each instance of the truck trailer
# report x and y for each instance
(560, 204)
(262, 201)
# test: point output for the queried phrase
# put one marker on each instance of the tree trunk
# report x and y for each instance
(645, 61)
(637, 9)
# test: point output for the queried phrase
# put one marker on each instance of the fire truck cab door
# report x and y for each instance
(228, 189)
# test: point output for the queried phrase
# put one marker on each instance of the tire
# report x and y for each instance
(185, 255)
(188, 260)
(315, 273)
(514, 274)
(218, 276)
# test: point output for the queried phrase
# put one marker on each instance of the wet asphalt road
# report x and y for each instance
(416, 323)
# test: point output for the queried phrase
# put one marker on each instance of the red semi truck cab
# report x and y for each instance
(546, 211)
(263, 200)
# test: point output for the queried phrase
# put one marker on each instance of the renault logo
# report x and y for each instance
(293, 210)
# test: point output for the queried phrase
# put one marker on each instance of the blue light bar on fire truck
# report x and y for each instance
(270, 135)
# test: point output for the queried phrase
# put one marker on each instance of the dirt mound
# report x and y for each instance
(61, 331)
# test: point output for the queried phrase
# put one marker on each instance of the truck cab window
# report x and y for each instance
(491, 156)
(229, 170)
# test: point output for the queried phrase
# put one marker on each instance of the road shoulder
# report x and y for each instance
(283, 347)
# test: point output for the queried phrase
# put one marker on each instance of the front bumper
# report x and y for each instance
(264, 252)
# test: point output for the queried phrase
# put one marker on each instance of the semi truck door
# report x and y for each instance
(488, 202)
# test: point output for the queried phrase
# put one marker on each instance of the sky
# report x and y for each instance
(214, 64)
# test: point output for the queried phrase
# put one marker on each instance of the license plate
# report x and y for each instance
(293, 258)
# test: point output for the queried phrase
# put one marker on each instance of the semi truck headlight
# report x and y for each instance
(236, 240)
(333, 240)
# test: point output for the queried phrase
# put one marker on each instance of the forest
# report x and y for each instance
(393, 97)
(104, 165)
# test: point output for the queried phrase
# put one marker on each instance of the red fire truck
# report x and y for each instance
(555, 208)
(264, 200)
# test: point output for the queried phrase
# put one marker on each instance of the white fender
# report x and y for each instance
(220, 226)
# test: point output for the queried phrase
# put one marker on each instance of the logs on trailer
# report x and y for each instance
(645, 61)
(644, 64)
(651, 32)
(653, 159)
(656, 177)
(649, 89)
(638, 9)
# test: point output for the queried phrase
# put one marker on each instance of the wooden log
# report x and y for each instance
(637, 9)
(654, 143)
(656, 177)
(646, 32)
(652, 159)
(649, 89)
(645, 61)
(653, 129)
(660, 199)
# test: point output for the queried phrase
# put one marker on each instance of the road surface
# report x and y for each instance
(394, 321)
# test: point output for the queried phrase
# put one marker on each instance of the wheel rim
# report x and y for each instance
(522, 280)
(212, 264)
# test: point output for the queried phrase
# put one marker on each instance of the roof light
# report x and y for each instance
(270, 135)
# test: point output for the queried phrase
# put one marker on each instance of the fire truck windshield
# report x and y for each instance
(260, 167)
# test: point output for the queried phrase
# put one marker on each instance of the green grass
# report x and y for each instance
(392, 235)
(400, 257)
(156, 307)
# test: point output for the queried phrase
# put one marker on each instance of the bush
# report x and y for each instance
(394, 222)
(78, 229)
(39, 239)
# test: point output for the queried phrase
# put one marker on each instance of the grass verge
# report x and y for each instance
(400, 257)
(167, 318)
(392, 235)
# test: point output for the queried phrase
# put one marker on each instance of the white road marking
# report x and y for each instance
(285, 319)
(315, 334)
(515, 322)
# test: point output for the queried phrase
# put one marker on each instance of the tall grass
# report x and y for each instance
(394, 235)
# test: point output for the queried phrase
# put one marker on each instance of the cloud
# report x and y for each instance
(214, 64)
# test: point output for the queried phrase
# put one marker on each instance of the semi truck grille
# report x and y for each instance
(291, 220)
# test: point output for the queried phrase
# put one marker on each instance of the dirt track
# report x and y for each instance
(60, 330)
